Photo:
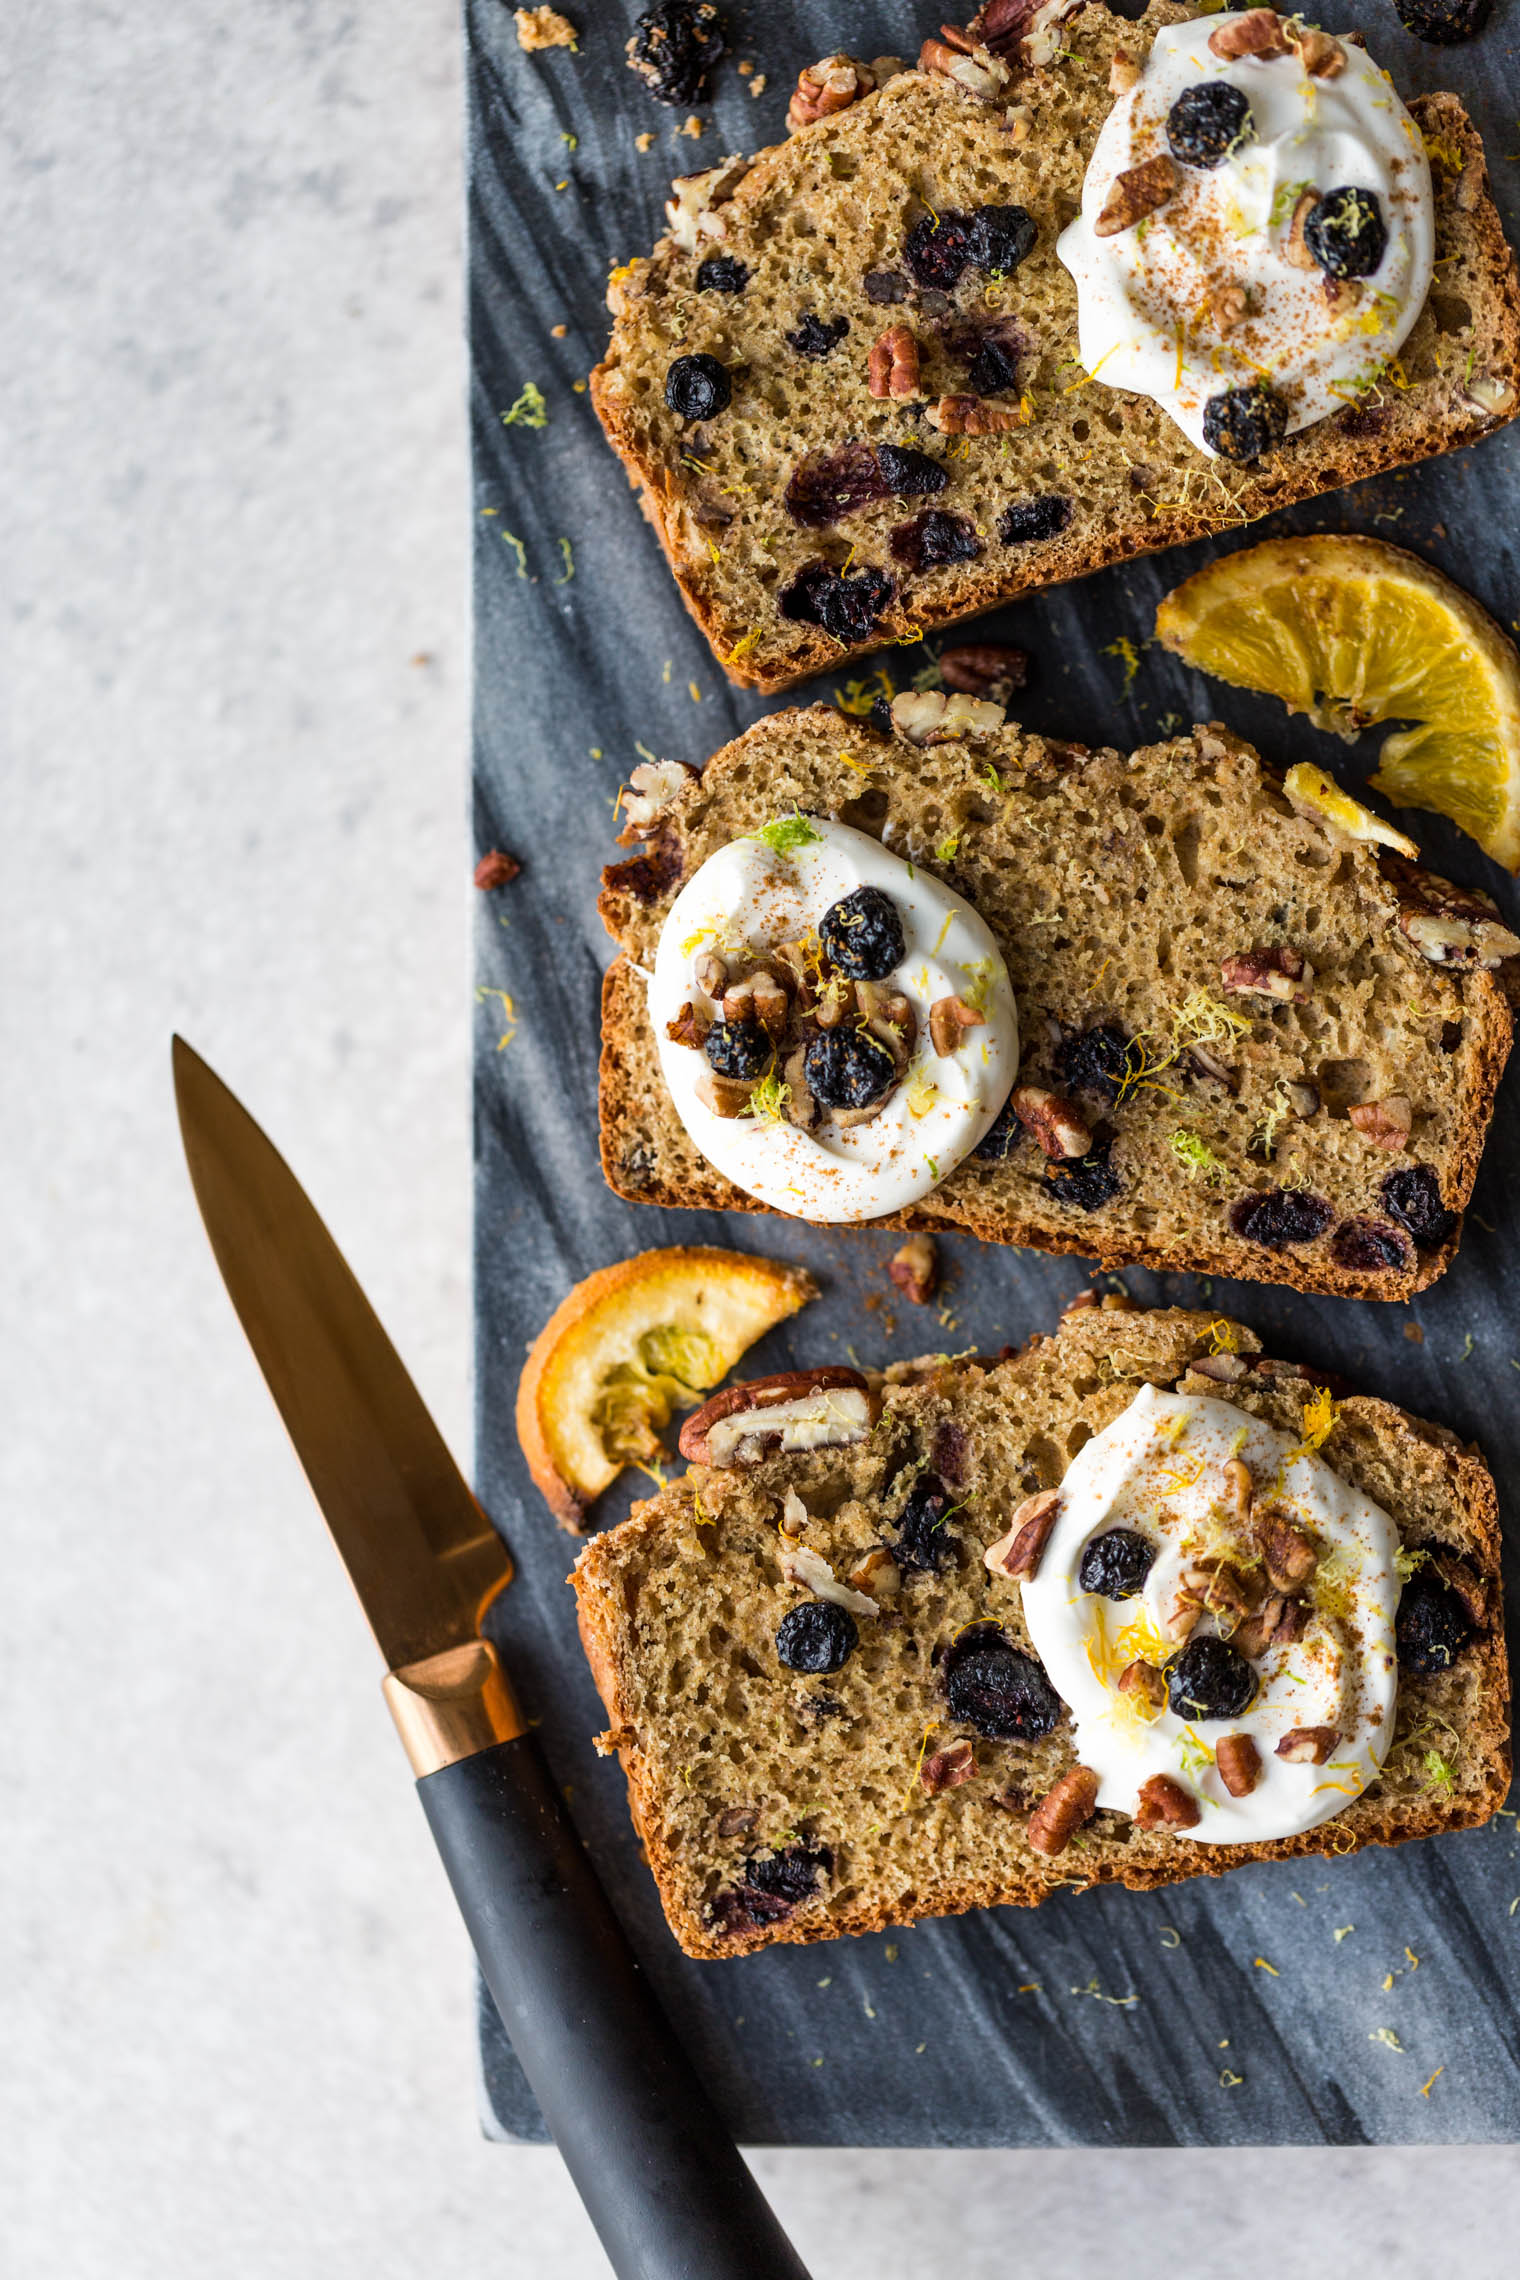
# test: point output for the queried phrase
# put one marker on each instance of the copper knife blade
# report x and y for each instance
(423, 1557)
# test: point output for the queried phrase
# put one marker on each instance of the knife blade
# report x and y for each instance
(650, 2156)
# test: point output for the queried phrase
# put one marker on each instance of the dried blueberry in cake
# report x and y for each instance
(1000, 237)
(1278, 1217)
(1084, 1183)
(1030, 519)
(1413, 1197)
(816, 1637)
(862, 935)
(1207, 124)
(847, 1068)
(1095, 1060)
(815, 338)
(931, 540)
(1116, 1564)
(739, 1049)
(1210, 1679)
(847, 604)
(793, 1875)
(826, 486)
(936, 250)
(1001, 1137)
(1242, 423)
(720, 273)
(1432, 1626)
(1002, 1693)
(1368, 1246)
(697, 387)
(910, 474)
(1346, 232)
(923, 1541)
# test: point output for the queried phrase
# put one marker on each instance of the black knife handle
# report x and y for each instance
(650, 2156)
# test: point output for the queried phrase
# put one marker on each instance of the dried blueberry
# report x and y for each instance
(1002, 1693)
(1029, 519)
(1208, 123)
(817, 1636)
(862, 935)
(881, 716)
(910, 474)
(1244, 422)
(846, 605)
(1000, 237)
(1095, 1060)
(791, 1875)
(847, 1068)
(674, 46)
(814, 338)
(929, 541)
(1346, 233)
(697, 387)
(1443, 22)
(1413, 1198)
(738, 1049)
(721, 273)
(1432, 1626)
(829, 485)
(993, 359)
(937, 249)
(1210, 1679)
(1116, 1564)
(1276, 1217)
(1082, 1183)
(1367, 1246)
(1001, 1137)
(923, 1540)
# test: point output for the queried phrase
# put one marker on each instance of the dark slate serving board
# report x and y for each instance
(1104, 2019)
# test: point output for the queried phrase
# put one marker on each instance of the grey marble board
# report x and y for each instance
(1254, 2009)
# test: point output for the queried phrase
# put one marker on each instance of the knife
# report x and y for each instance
(650, 2156)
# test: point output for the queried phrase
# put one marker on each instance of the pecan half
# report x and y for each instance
(1386, 1123)
(689, 1027)
(1259, 31)
(1308, 1745)
(1018, 1554)
(1271, 972)
(892, 367)
(826, 87)
(1138, 191)
(1290, 1556)
(794, 1411)
(973, 415)
(991, 670)
(1239, 1763)
(974, 70)
(1062, 1811)
(654, 786)
(947, 1768)
(928, 716)
(1295, 248)
(949, 1019)
(915, 1269)
(1143, 1682)
(496, 869)
(1165, 1803)
(1053, 1119)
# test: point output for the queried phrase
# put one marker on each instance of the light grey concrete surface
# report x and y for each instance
(237, 2034)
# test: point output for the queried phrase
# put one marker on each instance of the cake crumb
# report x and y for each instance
(543, 28)
(1414, 1333)
(745, 68)
(692, 127)
(558, 332)
(644, 141)
(757, 84)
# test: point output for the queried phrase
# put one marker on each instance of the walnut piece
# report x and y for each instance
(1165, 1803)
(947, 1768)
(949, 1019)
(653, 787)
(892, 368)
(878, 1575)
(1018, 1553)
(929, 716)
(956, 56)
(802, 1565)
(1054, 1121)
(1239, 1763)
(915, 1269)
(1059, 1814)
(1321, 56)
(1259, 32)
(1308, 1745)
(1270, 972)
(1290, 1556)
(1138, 191)
(1275, 1624)
(1228, 306)
(1386, 1123)
(689, 1027)
(725, 1096)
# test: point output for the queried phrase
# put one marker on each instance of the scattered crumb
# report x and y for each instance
(757, 85)
(643, 142)
(558, 332)
(1414, 1334)
(496, 868)
(425, 656)
(745, 68)
(692, 128)
(543, 28)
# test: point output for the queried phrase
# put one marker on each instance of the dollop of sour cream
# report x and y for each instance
(746, 895)
(1147, 297)
(1159, 1469)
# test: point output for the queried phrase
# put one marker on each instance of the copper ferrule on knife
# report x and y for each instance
(452, 1705)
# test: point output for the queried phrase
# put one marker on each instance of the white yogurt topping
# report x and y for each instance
(1145, 295)
(1159, 1469)
(745, 895)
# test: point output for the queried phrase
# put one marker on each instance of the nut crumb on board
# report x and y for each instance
(543, 28)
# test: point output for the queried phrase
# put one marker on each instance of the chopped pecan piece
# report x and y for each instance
(826, 87)
(915, 1269)
(1062, 1811)
(711, 974)
(689, 1027)
(793, 1411)
(1237, 1475)
(991, 670)
(725, 1096)
(1303, 1099)
(956, 56)
(1228, 307)
(1143, 1682)
(973, 415)
(1275, 1624)
(1451, 926)
(1138, 191)
(1485, 394)
(1054, 1119)
(1295, 248)
(1018, 1554)
(1165, 1803)
(947, 1768)
(1259, 32)
(1270, 972)
(928, 716)
(1217, 1588)
(892, 367)
(890, 1016)
(1386, 1123)
(1308, 1745)
(949, 1019)
(496, 869)
(1239, 1763)
(800, 1564)
(1290, 1557)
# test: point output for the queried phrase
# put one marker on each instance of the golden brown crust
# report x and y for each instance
(1429, 417)
(1443, 1487)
